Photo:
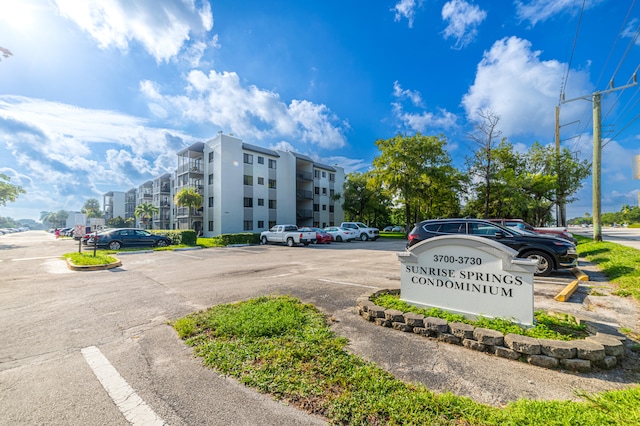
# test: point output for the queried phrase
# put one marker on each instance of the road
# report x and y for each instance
(626, 236)
(95, 348)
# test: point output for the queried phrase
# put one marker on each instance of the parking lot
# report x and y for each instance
(49, 315)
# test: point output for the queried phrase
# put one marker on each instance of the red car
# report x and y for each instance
(322, 237)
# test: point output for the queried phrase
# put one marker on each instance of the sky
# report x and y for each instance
(99, 95)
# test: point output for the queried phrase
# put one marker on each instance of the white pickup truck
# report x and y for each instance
(363, 232)
(289, 234)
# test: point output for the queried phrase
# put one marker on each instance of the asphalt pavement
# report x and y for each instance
(66, 332)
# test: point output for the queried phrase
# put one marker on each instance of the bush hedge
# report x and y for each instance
(244, 238)
(178, 236)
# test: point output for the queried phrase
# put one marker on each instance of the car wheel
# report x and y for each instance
(290, 242)
(263, 240)
(339, 239)
(363, 237)
(161, 243)
(545, 263)
(115, 245)
(305, 244)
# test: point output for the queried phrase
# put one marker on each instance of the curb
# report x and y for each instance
(566, 292)
(73, 267)
(580, 276)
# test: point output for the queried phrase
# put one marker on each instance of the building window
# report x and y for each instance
(210, 201)
(260, 161)
(316, 190)
(332, 177)
(260, 224)
(248, 202)
(272, 204)
(248, 225)
(248, 159)
(316, 207)
(332, 192)
(324, 191)
(330, 208)
(260, 181)
(272, 183)
(211, 179)
(324, 174)
(324, 207)
(316, 174)
(272, 223)
(272, 164)
(260, 203)
(248, 180)
(211, 157)
(210, 225)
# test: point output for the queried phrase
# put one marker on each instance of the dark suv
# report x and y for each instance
(551, 253)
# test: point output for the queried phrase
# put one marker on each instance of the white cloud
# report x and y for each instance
(414, 96)
(631, 31)
(67, 154)
(536, 11)
(249, 112)
(523, 90)
(463, 21)
(405, 9)
(161, 26)
(419, 121)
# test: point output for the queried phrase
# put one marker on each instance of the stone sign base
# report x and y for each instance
(599, 350)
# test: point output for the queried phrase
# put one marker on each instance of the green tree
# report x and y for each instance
(9, 192)
(190, 198)
(120, 222)
(363, 201)
(145, 211)
(417, 172)
(482, 165)
(92, 209)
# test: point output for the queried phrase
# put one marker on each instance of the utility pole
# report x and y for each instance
(597, 164)
(597, 151)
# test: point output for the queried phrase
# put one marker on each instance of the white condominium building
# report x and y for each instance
(247, 188)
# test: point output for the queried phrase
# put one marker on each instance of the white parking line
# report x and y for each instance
(36, 258)
(343, 283)
(134, 409)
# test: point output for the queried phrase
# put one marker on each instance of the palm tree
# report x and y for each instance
(145, 211)
(190, 198)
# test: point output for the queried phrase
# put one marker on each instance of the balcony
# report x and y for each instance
(307, 195)
(304, 214)
(304, 175)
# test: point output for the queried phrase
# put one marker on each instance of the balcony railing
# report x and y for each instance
(304, 213)
(301, 193)
(304, 175)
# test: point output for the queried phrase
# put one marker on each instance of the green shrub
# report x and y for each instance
(244, 238)
(178, 236)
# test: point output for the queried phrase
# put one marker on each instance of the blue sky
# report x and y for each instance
(99, 95)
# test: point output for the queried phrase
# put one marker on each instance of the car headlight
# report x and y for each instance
(572, 250)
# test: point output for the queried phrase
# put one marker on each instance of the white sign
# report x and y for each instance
(470, 275)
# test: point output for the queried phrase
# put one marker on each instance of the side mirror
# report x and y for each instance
(499, 234)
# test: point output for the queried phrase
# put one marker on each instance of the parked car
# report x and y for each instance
(322, 237)
(289, 234)
(559, 231)
(363, 232)
(551, 253)
(118, 238)
(340, 234)
(387, 228)
(397, 229)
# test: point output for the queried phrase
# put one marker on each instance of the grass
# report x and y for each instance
(282, 347)
(546, 327)
(396, 235)
(86, 259)
(619, 263)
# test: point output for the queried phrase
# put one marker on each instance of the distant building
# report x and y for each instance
(114, 204)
